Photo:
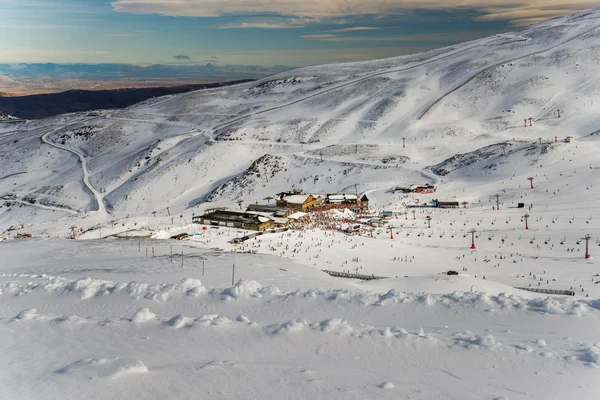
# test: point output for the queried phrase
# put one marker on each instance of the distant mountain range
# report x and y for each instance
(210, 71)
(46, 105)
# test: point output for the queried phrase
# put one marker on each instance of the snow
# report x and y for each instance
(103, 368)
(147, 316)
(297, 215)
(125, 312)
(143, 315)
(296, 199)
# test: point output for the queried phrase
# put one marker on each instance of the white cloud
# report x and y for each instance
(319, 36)
(407, 39)
(25, 52)
(354, 29)
(260, 25)
(517, 11)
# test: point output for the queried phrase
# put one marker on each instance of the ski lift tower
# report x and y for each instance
(472, 232)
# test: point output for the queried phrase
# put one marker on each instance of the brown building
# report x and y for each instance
(298, 202)
(364, 201)
(234, 219)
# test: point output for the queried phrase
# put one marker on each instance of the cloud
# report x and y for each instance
(354, 29)
(212, 60)
(319, 36)
(260, 25)
(122, 35)
(519, 12)
(270, 22)
(24, 52)
(435, 38)
(182, 57)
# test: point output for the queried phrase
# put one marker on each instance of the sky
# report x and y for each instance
(254, 32)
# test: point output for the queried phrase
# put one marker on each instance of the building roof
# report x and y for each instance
(364, 198)
(233, 216)
(297, 215)
(262, 214)
(266, 208)
(342, 197)
(296, 199)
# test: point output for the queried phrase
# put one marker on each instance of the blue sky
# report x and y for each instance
(252, 32)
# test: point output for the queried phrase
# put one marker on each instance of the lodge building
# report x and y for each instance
(234, 219)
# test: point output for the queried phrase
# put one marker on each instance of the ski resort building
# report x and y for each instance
(298, 202)
(234, 219)
(445, 204)
(424, 189)
(364, 201)
(276, 211)
(279, 215)
(342, 199)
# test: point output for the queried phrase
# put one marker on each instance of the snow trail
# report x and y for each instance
(86, 174)
(496, 65)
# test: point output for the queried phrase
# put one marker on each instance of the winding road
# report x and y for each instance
(86, 174)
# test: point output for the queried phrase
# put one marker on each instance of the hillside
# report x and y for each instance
(460, 110)
(47, 105)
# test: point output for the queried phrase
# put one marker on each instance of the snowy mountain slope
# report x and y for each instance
(165, 144)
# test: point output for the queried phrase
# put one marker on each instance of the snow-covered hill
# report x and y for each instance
(180, 150)
(478, 120)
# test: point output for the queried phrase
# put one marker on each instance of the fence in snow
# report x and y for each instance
(352, 276)
(548, 291)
